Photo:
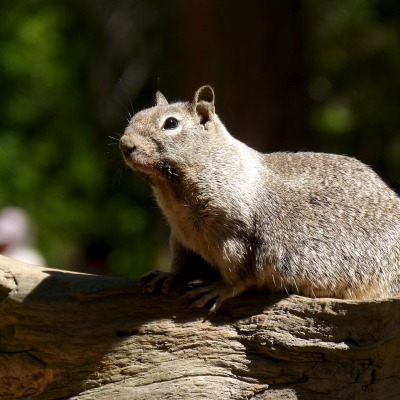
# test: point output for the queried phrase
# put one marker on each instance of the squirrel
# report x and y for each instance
(312, 224)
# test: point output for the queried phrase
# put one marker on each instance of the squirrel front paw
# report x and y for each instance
(217, 290)
(157, 281)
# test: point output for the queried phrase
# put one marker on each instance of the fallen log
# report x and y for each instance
(71, 335)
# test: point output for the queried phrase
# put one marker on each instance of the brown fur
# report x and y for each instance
(315, 224)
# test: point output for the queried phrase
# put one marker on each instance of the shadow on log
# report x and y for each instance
(70, 335)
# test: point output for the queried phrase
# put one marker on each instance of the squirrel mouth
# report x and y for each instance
(143, 165)
(138, 162)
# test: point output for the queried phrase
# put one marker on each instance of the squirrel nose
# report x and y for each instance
(126, 147)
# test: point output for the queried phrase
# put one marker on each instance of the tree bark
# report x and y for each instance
(71, 335)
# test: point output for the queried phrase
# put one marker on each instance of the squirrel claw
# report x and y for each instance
(217, 290)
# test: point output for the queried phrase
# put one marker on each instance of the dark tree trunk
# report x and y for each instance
(253, 55)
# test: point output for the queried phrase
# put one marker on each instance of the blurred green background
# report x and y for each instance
(289, 75)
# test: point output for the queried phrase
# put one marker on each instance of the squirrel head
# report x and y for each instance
(161, 141)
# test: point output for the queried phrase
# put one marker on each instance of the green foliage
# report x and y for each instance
(55, 162)
(354, 64)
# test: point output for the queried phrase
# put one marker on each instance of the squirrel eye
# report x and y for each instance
(171, 123)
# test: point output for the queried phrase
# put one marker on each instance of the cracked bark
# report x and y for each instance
(69, 335)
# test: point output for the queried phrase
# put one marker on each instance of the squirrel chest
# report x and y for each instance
(206, 228)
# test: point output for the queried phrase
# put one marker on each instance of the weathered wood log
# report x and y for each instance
(70, 335)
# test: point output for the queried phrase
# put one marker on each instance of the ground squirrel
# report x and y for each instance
(314, 224)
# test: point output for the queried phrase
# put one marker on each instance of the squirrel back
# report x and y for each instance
(315, 224)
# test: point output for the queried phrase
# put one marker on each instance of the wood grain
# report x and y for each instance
(70, 335)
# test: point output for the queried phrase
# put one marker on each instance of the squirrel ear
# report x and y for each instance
(160, 99)
(203, 103)
(205, 93)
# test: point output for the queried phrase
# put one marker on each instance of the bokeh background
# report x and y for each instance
(289, 75)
